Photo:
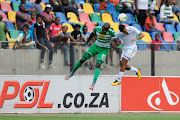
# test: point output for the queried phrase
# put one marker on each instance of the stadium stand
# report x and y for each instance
(137, 26)
(5, 6)
(90, 26)
(96, 18)
(141, 46)
(115, 2)
(84, 17)
(15, 6)
(107, 18)
(70, 28)
(96, 7)
(115, 17)
(130, 20)
(176, 35)
(146, 38)
(110, 8)
(62, 18)
(12, 16)
(4, 16)
(178, 28)
(10, 25)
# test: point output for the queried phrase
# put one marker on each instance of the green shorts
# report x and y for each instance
(100, 51)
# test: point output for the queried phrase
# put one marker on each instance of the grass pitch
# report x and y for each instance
(127, 116)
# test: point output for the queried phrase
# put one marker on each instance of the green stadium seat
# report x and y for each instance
(14, 34)
(96, 18)
(176, 35)
(119, 8)
(15, 6)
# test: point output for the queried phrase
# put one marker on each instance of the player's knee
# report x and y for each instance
(122, 63)
(82, 61)
(98, 65)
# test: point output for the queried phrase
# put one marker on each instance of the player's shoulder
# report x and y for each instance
(98, 27)
(111, 30)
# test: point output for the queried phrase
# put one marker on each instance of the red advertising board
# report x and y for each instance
(150, 94)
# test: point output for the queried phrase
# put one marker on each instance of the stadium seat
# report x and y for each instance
(125, 24)
(5, 6)
(115, 26)
(4, 16)
(168, 47)
(81, 2)
(107, 18)
(111, 8)
(90, 26)
(168, 37)
(10, 25)
(43, 6)
(147, 37)
(84, 17)
(159, 26)
(70, 28)
(174, 46)
(32, 30)
(178, 28)
(1, 1)
(28, 5)
(96, 18)
(32, 0)
(15, 6)
(153, 36)
(96, 7)
(176, 35)
(73, 18)
(88, 8)
(115, 2)
(170, 28)
(13, 36)
(137, 26)
(12, 16)
(62, 18)
(130, 19)
(10, 39)
(115, 17)
(142, 46)
(175, 18)
(45, 1)
(101, 24)
(158, 18)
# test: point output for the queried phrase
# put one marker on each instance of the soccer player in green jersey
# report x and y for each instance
(105, 36)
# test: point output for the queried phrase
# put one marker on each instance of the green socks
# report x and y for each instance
(78, 65)
(96, 74)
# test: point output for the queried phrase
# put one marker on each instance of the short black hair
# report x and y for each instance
(121, 27)
(39, 15)
(84, 26)
(26, 25)
(33, 12)
(157, 34)
(57, 18)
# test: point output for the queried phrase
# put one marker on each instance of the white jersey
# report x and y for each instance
(132, 32)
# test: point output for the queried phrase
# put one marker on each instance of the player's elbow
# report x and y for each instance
(142, 35)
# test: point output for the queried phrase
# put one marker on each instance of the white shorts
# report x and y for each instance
(128, 53)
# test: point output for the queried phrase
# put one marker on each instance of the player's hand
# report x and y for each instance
(113, 44)
(133, 40)
(118, 43)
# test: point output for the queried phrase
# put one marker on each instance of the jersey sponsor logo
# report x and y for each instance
(101, 36)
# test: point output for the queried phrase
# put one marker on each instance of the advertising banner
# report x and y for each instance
(150, 94)
(53, 94)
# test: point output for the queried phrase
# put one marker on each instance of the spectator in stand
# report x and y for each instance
(3, 30)
(29, 9)
(128, 6)
(24, 39)
(37, 6)
(76, 34)
(141, 7)
(69, 6)
(57, 7)
(95, 1)
(157, 40)
(33, 17)
(42, 41)
(48, 17)
(175, 8)
(54, 30)
(22, 18)
(166, 13)
(150, 25)
(103, 6)
(66, 45)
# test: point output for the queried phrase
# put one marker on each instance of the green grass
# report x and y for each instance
(128, 116)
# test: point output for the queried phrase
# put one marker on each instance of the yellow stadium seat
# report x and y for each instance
(70, 28)
(15, 26)
(175, 18)
(12, 16)
(147, 37)
(1, 1)
(52, 13)
(10, 39)
(107, 18)
(43, 6)
(115, 26)
(73, 18)
(88, 8)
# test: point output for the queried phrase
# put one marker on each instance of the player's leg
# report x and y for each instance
(134, 69)
(101, 57)
(88, 54)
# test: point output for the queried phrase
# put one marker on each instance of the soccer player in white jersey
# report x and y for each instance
(128, 36)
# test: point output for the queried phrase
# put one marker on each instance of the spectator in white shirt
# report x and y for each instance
(128, 6)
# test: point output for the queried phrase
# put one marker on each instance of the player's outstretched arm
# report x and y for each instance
(141, 35)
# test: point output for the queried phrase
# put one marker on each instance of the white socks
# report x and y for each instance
(120, 76)
(133, 69)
